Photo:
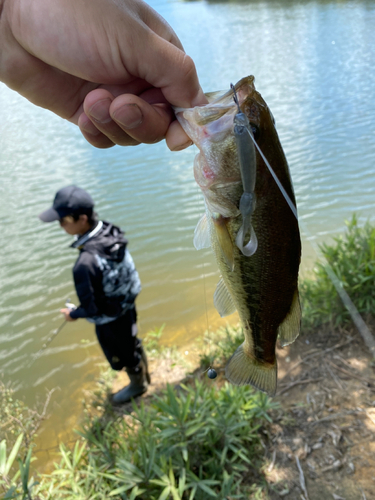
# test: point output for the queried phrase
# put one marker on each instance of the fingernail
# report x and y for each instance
(180, 147)
(128, 116)
(200, 99)
(100, 111)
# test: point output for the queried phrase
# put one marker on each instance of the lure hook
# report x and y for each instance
(235, 98)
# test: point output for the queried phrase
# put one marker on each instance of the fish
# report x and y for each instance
(252, 230)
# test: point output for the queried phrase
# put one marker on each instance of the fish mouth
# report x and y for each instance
(244, 88)
(221, 103)
(222, 106)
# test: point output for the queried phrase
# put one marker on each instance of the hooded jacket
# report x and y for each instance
(105, 277)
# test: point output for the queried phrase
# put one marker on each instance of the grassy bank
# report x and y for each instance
(196, 440)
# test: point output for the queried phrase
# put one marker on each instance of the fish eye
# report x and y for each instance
(255, 130)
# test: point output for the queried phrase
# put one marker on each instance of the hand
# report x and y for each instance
(66, 313)
(114, 68)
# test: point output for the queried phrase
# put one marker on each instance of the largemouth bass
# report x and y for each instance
(260, 277)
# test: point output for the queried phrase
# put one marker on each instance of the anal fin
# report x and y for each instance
(289, 329)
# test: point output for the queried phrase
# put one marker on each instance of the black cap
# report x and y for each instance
(68, 200)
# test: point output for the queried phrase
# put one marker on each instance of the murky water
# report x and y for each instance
(314, 65)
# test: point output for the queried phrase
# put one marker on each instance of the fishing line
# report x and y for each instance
(346, 300)
(205, 295)
(280, 186)
(210, 371)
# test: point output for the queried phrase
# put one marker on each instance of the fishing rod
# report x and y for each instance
(69, 305)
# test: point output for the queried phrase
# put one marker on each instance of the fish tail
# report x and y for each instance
(243, 368)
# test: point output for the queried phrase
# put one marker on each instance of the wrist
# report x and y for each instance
(71, 316)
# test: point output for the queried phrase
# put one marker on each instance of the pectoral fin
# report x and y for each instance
(202, 234)
(224, 239)
(289, 329)
(223, 300)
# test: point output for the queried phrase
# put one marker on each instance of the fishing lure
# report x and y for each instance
(247, 160)
(246, 155)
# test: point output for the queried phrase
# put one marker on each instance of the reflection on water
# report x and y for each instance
(313, 63)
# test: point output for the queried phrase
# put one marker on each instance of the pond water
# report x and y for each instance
(313, 63)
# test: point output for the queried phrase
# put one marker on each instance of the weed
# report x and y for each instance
(16, 417)
(151, 340)
(352, 258)
(196, 443)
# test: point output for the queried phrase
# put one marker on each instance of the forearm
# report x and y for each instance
(87, 278)
(78, 313)
(22, 68)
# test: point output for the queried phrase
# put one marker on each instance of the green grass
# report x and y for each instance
(194, 443)
(352, 258)
(151, 340)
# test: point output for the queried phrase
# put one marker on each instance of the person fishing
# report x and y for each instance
(107, 284)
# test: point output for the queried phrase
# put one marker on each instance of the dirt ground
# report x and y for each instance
(321, 443)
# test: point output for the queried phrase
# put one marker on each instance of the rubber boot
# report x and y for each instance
(139, 380)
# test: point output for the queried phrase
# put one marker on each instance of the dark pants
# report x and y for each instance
(119, 342)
